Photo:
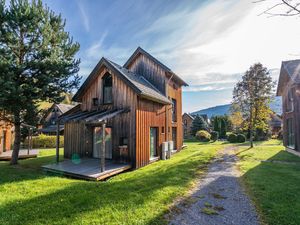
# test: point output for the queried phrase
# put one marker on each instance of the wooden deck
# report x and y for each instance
(23, 154)
(87, 168)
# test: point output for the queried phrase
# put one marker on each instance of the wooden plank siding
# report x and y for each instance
(148, 114)
(150, 70)
(122, 125)
(294, 114)
(175, 92)
(6, 137)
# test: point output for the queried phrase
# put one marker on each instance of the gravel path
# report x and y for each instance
(218, 198)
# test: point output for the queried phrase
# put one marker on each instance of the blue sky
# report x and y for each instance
(208, 43)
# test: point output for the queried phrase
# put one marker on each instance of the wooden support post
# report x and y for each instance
(102, 153)
(28, 147)
(57, 141)
(29, 140)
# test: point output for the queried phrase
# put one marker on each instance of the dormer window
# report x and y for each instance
(107, 88)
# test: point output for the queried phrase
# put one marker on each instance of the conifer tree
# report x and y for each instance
(198, 124)
(37, 61)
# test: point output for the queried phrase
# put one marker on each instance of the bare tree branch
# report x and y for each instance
(289, 8)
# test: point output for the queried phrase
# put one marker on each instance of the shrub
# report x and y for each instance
(45, 141)
(203, 136)
(232, 138)
(214, 135)
(227, 134)
(240, 138)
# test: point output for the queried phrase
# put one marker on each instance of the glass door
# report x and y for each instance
(153, 142)
(97, 142)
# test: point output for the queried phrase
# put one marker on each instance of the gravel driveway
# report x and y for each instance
(218, 198)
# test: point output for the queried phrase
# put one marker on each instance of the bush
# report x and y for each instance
(214, 135)
(203, 136)
(45, 141)
(240, 138)
(227, 134)
(232, 138)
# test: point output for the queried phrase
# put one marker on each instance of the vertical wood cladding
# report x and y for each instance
(122, 125)
(148, 114)
(6, 137)
(292, 114)
(175, 92)
(142, 65)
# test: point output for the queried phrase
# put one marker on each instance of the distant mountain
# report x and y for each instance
(224, 109)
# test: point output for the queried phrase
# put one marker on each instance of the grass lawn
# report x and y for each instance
(143, 196)
(274, 187)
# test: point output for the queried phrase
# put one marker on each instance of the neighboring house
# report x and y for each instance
(48, 122)
(289, 89)
(6, 136)
(138, 105)
(275, 123)
(187, 121)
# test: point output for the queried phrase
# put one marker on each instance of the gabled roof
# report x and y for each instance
(64, 107)
(290, 71)
(138, 83)
(189, 115)
(139, 50)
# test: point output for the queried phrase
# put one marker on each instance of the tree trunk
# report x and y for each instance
(17, 141)
(251, 127)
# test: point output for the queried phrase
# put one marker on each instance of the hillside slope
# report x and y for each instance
(224, 109)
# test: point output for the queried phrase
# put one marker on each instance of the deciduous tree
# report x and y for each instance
(251, 97)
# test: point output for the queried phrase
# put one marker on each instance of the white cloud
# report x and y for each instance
(219, 41)
(84, 16)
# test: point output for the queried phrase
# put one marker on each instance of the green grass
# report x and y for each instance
(143, 196)
(273, 187)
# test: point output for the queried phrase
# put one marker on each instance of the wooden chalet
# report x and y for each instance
(126, 113)
(187, 125)
(48, 122)
(289, 89)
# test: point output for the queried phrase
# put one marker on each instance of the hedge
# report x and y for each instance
(232, 138)
(45, 141)
(240, 138)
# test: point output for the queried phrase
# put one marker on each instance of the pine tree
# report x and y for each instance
(36, 61)
(198, 124)
(251, 97)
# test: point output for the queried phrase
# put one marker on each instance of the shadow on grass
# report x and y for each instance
(27, 169)
(123, 199)
(274, 187)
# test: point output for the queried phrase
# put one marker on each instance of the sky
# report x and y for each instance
(208, 43)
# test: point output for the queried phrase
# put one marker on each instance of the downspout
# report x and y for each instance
(167, 116)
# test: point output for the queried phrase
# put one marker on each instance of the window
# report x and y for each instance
(174, 110)
(290, 134)
(290, 102)
(95, 102)
(107, 88)
(153, 142)
(162, 130)
(185, 122)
